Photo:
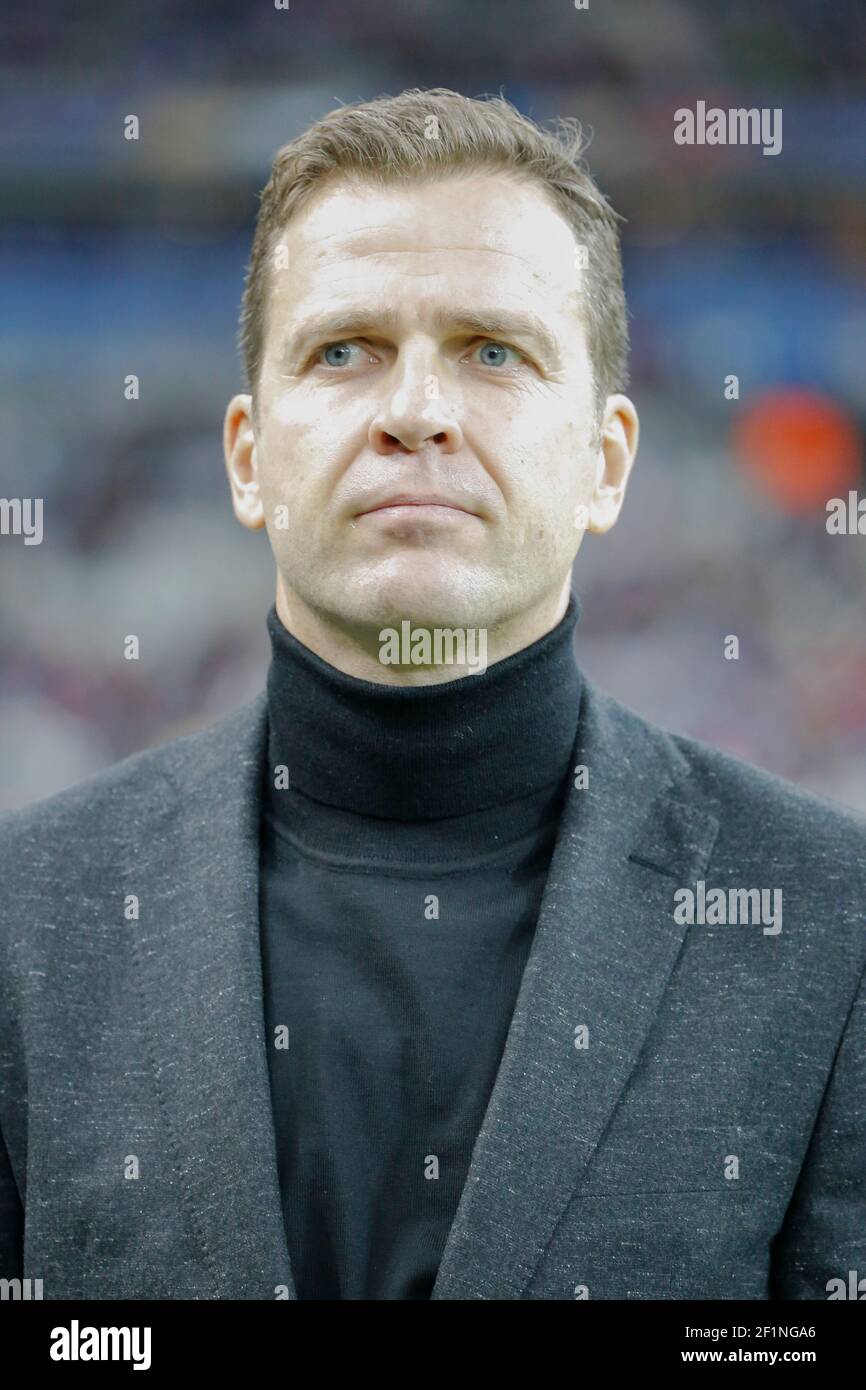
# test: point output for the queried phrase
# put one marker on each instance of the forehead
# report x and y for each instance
(490, 231)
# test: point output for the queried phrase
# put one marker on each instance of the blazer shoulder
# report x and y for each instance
(135, 787)
(757, 792)
(730, 787)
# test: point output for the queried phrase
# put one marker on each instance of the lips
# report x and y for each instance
(404, 499)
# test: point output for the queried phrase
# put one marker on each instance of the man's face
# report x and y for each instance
(426, 343)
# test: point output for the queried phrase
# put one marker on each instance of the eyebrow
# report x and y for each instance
(354, 322)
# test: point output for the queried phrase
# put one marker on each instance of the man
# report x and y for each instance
(434, 972)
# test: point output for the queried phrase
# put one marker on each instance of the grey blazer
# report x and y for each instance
(680, 1109)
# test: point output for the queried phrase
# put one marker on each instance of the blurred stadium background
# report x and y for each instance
(119, 257)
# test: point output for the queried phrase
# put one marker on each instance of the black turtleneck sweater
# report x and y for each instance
(401, 876)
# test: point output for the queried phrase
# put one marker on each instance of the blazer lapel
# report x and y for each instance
(604, 949)
(198, 953)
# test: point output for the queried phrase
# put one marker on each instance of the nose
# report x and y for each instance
(413, 413)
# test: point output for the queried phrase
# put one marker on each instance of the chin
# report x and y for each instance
(439, 599)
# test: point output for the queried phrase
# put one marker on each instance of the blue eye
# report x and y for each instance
(340, 346)
(490, 344)
(338, 353)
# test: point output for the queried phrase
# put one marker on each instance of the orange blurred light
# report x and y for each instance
(799, 447)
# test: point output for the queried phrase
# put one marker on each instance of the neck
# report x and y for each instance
(424, 751)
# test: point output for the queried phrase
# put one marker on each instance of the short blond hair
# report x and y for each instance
(386, 142)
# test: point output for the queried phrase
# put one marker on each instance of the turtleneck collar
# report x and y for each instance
(423, 752)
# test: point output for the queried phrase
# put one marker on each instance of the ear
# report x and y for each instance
(239, 448)
(620, 431)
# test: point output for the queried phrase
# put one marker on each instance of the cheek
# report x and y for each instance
(565, 489)
(295, 411)
(292, 430)
(282, 486)
(285, 453)
(542, 481)
(300, 427)
(309, 440)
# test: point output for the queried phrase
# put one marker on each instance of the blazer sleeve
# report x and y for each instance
(11, 1221)
(823, 1236)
